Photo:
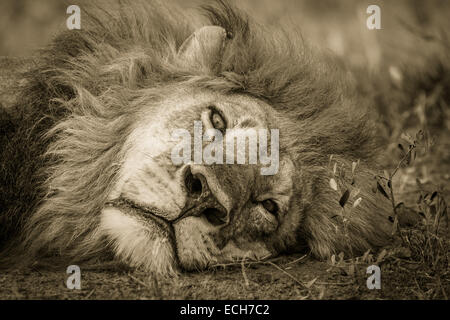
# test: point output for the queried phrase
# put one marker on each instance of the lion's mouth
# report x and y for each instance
(214, 213)
(141, 211)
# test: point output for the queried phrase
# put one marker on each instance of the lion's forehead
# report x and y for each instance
(182, 106)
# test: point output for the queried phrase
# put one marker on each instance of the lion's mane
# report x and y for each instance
(61, 145)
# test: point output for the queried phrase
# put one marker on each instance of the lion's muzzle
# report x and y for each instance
(201, 201)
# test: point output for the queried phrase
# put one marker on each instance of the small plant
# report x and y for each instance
(427, 240)
(346, 194)
(423, 232)
(356, 266)
(408, 155)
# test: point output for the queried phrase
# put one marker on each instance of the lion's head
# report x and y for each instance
(198, 214)
(110, 98)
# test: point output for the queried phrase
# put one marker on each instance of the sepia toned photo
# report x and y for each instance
(224, 150)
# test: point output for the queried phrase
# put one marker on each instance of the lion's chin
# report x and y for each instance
(139, 242)
(197, 249)
(144, 243)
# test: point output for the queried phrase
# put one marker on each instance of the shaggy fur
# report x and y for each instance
(61, 146)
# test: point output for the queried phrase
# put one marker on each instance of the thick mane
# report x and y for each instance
(79, 104)
(280, 68)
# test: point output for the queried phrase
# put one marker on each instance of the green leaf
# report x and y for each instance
(381, 256)
(357, 202)
(333, 260)
(366, 254)
(394, 227)
(333, 184)
(433, 195)
(402, 149)
(407, 138)
(420, 135)
(309, 284)
(380, 188)
(354, 165)
(344, 198)
(351, 270)
(354, 193)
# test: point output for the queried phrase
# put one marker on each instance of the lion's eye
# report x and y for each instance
(217, 121)
(270, 206)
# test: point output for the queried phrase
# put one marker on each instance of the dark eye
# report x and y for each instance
(217, 120)
(270, 206)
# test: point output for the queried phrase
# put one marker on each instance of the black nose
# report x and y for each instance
(194, 185)
(201, 201)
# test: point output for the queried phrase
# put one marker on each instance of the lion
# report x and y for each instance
(86, 170)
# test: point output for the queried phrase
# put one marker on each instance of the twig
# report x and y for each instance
(90, 294)
(401, 161)
(394, 208)
(390, 185)
(247, 284)
(443, 290)
(335, 283)
(139, 281)
(248, 263)
(288, 274)
(299, 259)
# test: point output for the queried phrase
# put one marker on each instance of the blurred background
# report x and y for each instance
(338, 25)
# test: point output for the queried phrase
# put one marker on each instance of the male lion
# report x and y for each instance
(86, 169)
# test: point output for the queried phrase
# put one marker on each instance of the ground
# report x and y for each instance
(293, 277)
(256, 281)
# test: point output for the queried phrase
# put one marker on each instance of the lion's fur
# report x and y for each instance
(61, 146)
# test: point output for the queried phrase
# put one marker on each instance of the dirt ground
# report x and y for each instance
(294, 277)
(257, 281)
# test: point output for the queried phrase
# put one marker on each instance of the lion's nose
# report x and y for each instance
(196, 186)
(201, 201)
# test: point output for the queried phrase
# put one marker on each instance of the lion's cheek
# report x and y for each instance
(260, 223)
(141, 245)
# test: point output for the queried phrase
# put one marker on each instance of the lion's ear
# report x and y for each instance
(204, 47)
